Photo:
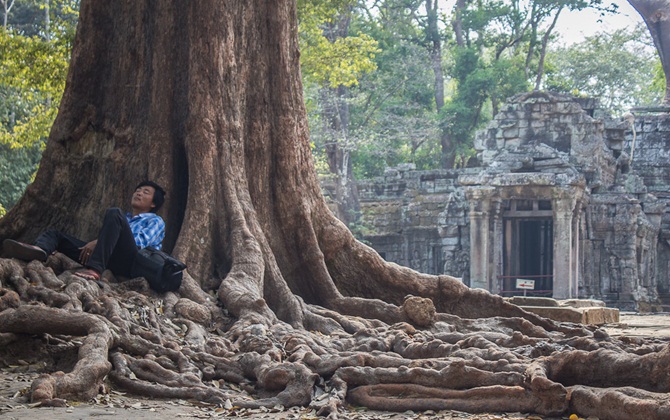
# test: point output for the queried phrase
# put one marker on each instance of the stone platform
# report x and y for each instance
(581, 311)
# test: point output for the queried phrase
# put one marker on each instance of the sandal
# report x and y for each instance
(25, 252)
(88, 274)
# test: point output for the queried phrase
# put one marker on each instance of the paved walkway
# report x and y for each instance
(641, 325)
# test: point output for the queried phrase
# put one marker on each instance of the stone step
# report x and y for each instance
(582, 311)
(588, 315)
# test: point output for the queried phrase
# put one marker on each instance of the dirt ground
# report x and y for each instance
(15, 382)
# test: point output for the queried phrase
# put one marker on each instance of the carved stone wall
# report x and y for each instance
(420, 219)
(648, 143)
(569, 163)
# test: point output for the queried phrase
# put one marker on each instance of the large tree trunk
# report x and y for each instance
(656, 14)
(205, 98)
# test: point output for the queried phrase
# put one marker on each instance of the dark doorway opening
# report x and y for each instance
(528, 254)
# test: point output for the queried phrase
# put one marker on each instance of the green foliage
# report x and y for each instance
(28, 17)
(620, 68)
(658, 81)
(32, 79)
(393, 112)
(477, 82)
(326, 58)
(17, 168)
(34, 58)
(509, 78)
(481, 22)
(341, 62)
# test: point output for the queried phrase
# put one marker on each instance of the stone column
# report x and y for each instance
(480, 203)
(575, 246)
(496, 266)
(563, 205)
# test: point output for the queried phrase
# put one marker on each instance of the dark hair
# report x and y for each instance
(159, 194)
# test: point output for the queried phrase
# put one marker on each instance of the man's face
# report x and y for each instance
(143, 199)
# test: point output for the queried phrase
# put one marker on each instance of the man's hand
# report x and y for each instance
(86, 251)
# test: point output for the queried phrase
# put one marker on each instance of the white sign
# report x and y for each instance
(525, 284)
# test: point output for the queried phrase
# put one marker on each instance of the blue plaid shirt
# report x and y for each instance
(148, 229)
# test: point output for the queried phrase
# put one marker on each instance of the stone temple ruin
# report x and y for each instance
(563, 195)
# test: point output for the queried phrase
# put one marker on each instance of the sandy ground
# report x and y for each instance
(15, 382)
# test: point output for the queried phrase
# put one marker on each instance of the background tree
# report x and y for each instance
(6, 8)
(206, 98)
(392, 109)
(499, 49)
(388, 116)
(334, 61)
(34, 55)
(614, 67)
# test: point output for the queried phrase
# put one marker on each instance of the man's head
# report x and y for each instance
(148, 197)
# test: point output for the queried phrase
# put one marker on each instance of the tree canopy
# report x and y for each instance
(620, 68)
(35, 44)
(394, 110)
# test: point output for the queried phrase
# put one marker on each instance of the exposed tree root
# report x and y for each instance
(87, 375)
(619, 403)
(186, 347)
(396, 397)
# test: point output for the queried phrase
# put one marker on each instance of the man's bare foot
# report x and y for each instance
(88, 274)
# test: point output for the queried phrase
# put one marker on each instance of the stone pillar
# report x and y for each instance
(563, 205)
(574, 291)
(496, 266)
(480, 203)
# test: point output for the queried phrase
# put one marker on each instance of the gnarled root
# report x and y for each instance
(294, 381)
(86, 378)
(402, 397)
(619, 403)
(155, 381)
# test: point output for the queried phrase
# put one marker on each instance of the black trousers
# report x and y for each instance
(116, 248)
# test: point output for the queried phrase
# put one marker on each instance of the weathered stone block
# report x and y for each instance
(511, 133)
(582, 303)
(588, 316)
(650, 126)
(532, 301)
(507, 123)
(548, 108)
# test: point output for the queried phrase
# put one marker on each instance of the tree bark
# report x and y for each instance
(205, 98)
(457, 22)
(435, 51)
(656, 15)
(543, 48)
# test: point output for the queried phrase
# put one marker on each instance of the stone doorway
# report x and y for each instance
(528, 251)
